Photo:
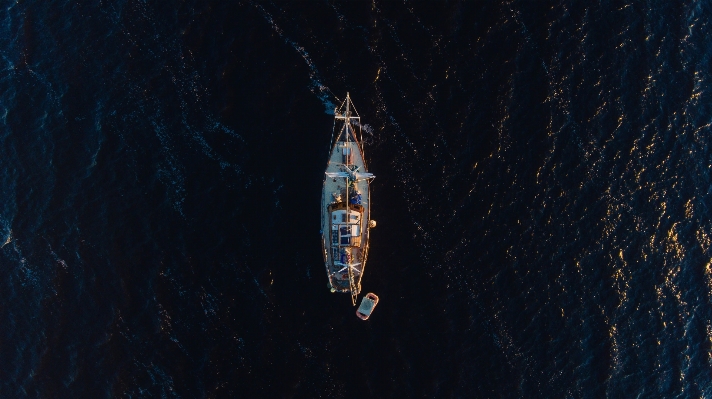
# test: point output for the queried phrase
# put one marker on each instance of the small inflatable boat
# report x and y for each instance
(368, 303)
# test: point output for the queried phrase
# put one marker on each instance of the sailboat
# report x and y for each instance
(346, 204)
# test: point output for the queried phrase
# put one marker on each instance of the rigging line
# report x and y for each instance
(342, 102)
(332, 93)
(331, 141)
(352, 106)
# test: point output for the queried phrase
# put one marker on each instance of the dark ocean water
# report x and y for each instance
(543, 222)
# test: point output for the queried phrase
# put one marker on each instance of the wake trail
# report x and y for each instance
(317, 87)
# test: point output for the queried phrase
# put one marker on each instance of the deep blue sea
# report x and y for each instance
(543, 171)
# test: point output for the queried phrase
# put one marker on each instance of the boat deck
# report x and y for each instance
(334, 188)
